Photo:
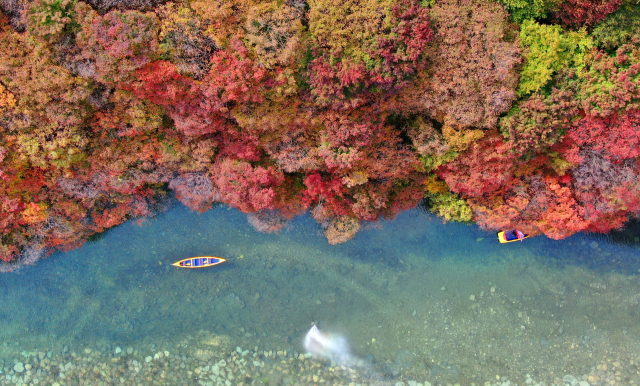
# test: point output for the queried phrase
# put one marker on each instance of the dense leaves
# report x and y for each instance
(503, 113)
(521, 10)
(473, 66)
(619, 28)
(539, 120)
(585, 12)
(365, 48)
(548, 50)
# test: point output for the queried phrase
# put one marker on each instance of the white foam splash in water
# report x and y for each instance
(335, 348)
(328, 346)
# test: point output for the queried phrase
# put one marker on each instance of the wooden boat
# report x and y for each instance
(505, 238)
(199, 262)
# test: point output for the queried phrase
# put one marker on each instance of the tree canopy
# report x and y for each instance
(506, 113)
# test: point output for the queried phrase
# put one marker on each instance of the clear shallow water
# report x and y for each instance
(416, 298)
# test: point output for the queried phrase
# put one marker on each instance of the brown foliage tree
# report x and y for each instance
(45, 105)
(183, 39)
(274, 33)
(473, 65)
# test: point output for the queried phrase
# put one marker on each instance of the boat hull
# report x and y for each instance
(199, 262)
(503, 239)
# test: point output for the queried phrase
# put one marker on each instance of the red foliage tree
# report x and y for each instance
(128, 34)
(539, 121)
(55, 232)
(629, 195)
(602, 188)
(116, 44)
(193, 112)
(553, 209)
(616, 136)
(160, 82)
(585, 12)
(329, 192)
(248, 188)
(537, 204)
(129, 117)
(486, 167)
(109, 217)
(293, 150)
(357, 57)
(10, 210)
(235, 77)
(362, 162)
(240, 145)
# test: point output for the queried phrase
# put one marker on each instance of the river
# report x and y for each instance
(418, 302)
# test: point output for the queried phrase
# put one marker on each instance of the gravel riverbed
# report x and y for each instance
(210, 360)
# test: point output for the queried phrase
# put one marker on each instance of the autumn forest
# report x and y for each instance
(506, 113)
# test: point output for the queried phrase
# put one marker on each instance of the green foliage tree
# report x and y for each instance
(610, 84)
(521, 10)
(548, 49)
(51, 19)
(619, 28)
(449, 206)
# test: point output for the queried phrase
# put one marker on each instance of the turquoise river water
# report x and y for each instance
(419, 302)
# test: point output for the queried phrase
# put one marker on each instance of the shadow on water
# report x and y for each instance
(593, 251)
(629, 235)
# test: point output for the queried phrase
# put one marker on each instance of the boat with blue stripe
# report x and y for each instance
(199, 262)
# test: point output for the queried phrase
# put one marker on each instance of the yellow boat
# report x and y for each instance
(509, 237)
(199, 262)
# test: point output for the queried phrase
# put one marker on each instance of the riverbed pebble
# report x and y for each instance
(19, 367)
(195, 363)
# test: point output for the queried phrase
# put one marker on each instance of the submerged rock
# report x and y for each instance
(19, 367)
